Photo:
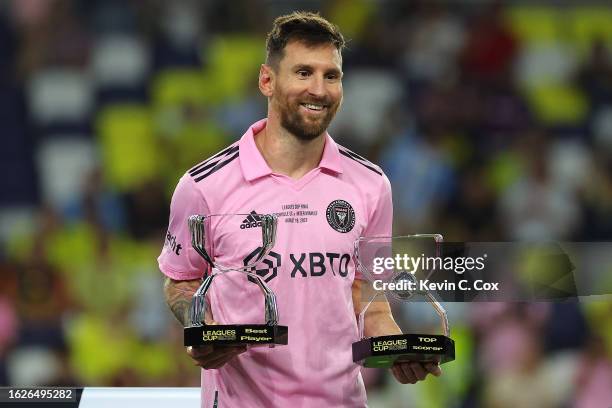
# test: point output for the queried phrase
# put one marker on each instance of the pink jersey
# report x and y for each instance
(310, 269)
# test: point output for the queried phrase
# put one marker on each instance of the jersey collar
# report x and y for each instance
(254, 165)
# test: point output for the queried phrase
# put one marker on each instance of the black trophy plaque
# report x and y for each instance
(235, 334)
(384, 351)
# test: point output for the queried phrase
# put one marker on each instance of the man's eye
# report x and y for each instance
(303, 73)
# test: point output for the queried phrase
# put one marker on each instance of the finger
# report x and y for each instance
(408, 373)
(399, 375)
(236, 348)
(214, 363)
(208, 350)
(434, 369)
(200, 351)
(218, 360)
(208, 317)
(418, 370)
(220, 352)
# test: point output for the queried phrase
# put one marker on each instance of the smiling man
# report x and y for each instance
(328, 197)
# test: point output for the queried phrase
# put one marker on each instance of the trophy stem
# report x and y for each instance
(198, 236)
(440, 311)
(361, 321)
(271, 308)
(197, 311)
(198, 307)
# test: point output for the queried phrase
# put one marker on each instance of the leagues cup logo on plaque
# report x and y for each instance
(258, 240)
(392, 268)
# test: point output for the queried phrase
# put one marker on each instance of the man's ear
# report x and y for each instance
(266, 80)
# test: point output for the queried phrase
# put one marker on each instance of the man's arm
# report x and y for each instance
(378, 321)
(178, 295)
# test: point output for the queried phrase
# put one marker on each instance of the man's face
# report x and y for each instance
(308, 88)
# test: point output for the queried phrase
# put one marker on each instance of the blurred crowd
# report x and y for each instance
(493, 122)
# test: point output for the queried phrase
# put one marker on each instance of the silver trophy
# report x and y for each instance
(258, 231)
(386, 263)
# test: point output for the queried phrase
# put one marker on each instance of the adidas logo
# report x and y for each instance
(252, 221)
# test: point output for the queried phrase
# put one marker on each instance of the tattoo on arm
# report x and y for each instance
(178, 296)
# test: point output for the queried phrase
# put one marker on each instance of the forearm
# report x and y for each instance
(380, 323)
(178, 296)
(378, 319)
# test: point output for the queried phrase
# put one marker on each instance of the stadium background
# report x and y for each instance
(492, 120)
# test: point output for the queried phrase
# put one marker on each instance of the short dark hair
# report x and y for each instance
(304, 26)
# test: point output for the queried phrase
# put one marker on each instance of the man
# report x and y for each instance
(288, 161)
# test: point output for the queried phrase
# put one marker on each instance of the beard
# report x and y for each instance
(300, 126)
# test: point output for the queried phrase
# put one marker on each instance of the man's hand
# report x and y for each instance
(178, 296)
(213, 356)
(378, 321)
(411, 372)
(209, 357)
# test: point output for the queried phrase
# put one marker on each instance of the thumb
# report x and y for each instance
(208, 318)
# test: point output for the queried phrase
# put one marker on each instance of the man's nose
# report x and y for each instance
(317, 86)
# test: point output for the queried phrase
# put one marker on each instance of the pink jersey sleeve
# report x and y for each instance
(178, 259)
(380, 221)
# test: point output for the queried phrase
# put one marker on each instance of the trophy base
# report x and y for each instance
(235, 334)
(384, 351)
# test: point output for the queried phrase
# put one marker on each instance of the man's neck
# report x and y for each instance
(285, 153)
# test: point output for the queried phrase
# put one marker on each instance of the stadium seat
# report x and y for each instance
(178, 86)
(545, 63)
(15, 222)
(570, 164)
(368, 94)
(63, 163)
(182, 23)
(120, 66)
(535, 24)
(587, 24)
(353, 24)
(129, 151)
(602, 128)
(223, 79)
(33, 365)
(60, 95)
(119, 61)
(228, 59)
(558, 105)
(99, 349)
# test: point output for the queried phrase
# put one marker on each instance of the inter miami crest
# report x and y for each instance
(340, 216)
